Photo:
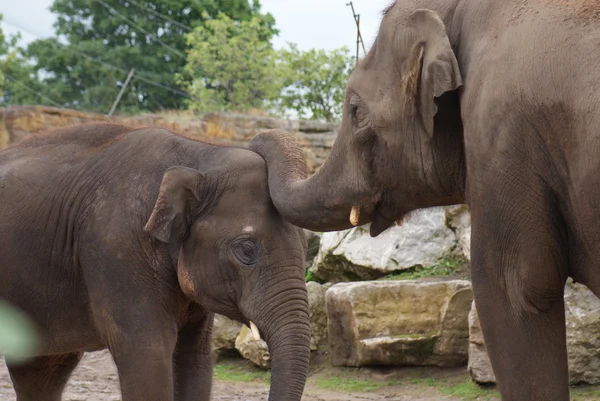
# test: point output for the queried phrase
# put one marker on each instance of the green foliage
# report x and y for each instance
(444, 267)
(315, 82)
(17, 334)
(18, 83)
(309, 276)
(237, 372)
(234, 69)
(585, 392)
(106, 38)
(233, 66)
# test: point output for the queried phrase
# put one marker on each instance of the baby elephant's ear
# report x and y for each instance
(170, 218)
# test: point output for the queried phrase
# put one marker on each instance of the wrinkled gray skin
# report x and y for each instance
(131, 239)
(493, 103)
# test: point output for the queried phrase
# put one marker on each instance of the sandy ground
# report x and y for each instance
(95, 379)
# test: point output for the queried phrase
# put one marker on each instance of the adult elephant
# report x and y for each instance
(129, 239)
(493, 103)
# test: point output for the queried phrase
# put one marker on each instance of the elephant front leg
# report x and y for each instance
(519, 268)
(193, 359)
(142, 344)
(145, 367)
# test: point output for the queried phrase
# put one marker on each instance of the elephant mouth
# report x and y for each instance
(377, 210)
(381, 220)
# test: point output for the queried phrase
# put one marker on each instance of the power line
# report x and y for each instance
(33, 90)
(99, 61)
(163, 44)
(179, 24)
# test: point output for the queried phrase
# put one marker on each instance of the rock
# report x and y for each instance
(314, 241)
(258, 352)
(318, 314)
(351, 255)
(398, 323)
(315, 127)
(458, 219)
(583, 333)
(255, 351)
(243, 127)
(479, 366)
(224, 333)
(18, 123)
(582, 311)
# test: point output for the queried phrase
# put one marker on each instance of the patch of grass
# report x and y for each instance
(445, 267)
(463, 389)
(425, 381)
(309, 276)
(227, 371)
(348, 384)
(585, 393)
(469, 391)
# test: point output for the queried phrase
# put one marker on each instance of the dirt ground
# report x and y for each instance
(95, 379)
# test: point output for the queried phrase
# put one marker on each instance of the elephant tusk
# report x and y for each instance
(255, 332)
(355, 215)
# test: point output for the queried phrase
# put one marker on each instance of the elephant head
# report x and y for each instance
(400, 145)
(235, 255)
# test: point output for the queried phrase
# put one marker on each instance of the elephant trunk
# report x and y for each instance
(290, 354)
(284, 324)
(322, 202)
(287, 335)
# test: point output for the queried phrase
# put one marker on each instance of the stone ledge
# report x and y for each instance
(398, 323)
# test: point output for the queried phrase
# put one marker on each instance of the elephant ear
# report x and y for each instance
(180, 189)
(434, 58)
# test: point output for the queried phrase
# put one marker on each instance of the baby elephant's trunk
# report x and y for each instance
(288, 337)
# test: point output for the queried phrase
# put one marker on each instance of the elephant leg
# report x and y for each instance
(43, 378)
(141, 338)
(193, 360)
(519, 269)
(144, 360)
(145, 368)
(135, 315)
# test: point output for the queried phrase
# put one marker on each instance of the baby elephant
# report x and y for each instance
(130, 239)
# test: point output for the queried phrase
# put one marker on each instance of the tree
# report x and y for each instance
(234, 65)
(316, 85)
(101, 40)
(3, 50)
(18, 82)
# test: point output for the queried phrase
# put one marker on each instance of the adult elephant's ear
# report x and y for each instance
(434, 58)
(179, 191)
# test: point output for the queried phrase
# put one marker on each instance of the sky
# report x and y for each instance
(323, 24)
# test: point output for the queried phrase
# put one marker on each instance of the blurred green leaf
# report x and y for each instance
(17, 334)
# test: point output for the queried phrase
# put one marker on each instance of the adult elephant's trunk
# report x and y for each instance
(324, 201)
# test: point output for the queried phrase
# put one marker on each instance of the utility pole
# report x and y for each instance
(118, 99)
(359, 39)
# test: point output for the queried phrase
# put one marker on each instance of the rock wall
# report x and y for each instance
(18, 123)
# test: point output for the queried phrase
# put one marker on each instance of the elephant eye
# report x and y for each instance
(353, 113)
(246, 251)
